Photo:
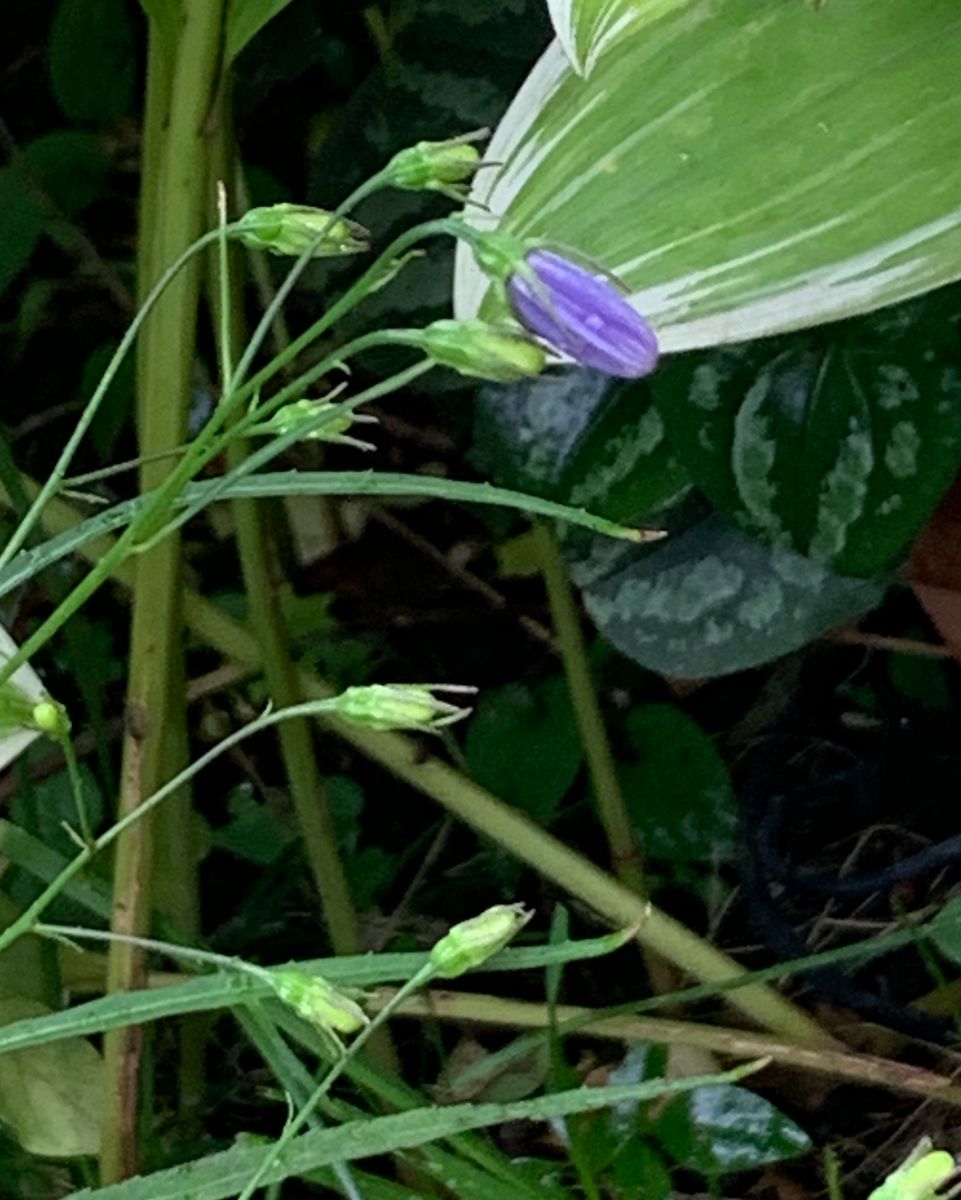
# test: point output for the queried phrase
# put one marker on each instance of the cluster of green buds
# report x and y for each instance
(401, 706)
(471, 943)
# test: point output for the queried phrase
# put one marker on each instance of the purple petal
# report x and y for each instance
(583, 316)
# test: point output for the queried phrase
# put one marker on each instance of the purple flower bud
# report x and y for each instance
(581, 315)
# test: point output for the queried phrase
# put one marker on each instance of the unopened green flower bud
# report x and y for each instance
(291, 229)
(400, 706)
(51, 718)
(308, 412)
(318, 1002)
(473, 942)
(436, 166)
(19, 711)
(483, 351)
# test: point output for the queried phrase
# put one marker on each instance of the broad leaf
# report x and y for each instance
(836, 445)
(51, 1096)
(711, 600)
(245, 19)
(578, 434)
(92, 58)
(678, 792)
(746, 167)
(522, 745)
(585, 28)
(724, 1129)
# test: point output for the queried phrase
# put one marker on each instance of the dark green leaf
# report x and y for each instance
(945, 930)
(624, 462)
(720, 1129)
(93, 59)
(576, 432)
(711, 600)
(21, 224)
(255, 832)
(69, 165)
(523, 745)
(245, 19)
(678, 792)
(527, 433)
(640, 1173)
(837, 445)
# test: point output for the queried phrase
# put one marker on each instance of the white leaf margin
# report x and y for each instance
(586, 28)
(841, 289)
(14, 742)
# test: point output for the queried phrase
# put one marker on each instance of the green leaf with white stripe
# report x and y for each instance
(585, 28)
(837, 445)
(746, 167)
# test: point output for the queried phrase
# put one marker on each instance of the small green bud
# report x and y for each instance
(473, 942)
(483, 351)
(436, 166)
(19, 711)
(921, 1176)
(51, 718)
(303, 412)
(314, 999)
(400, 706)
(291, 229)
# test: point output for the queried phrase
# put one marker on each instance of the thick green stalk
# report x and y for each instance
(626, 859)
(178, 175)
(263, 580)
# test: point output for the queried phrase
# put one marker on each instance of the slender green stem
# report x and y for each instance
(626, 856)
(53, 481)
(263, 327)
(278, 445)
(149, 530)
(28, 918)
(293, 1127)
(191, 954)
(480, 810)
(371, 279)
(262, 582)
(76, 786)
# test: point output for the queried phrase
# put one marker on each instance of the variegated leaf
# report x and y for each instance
(746, 166)
(586, 28)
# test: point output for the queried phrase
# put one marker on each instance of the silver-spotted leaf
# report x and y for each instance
(711, 600)
(720, 1130)
(837, 445)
